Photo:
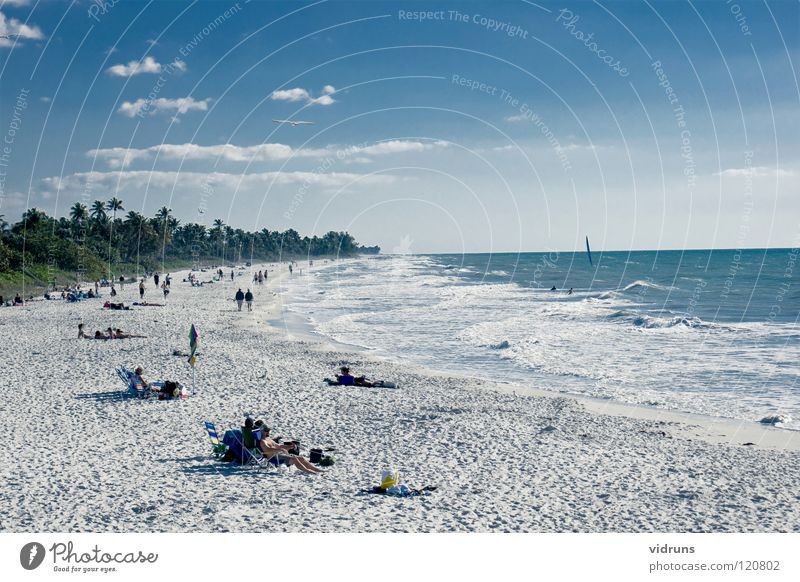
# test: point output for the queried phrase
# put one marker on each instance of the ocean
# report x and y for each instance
(708, 332)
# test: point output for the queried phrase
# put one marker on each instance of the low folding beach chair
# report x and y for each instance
(135, 388)
(217, 445)
(233, 441)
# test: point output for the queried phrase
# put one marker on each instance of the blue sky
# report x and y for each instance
(485, 126)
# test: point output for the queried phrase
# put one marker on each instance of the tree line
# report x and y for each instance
(96, 240)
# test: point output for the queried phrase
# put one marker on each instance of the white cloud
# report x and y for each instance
(755, 172)
(146, 65)
(124, 157)
(299, 94)
(398, 146)
(18, 31)
(324, 100)
(163, 105)
(296, 94)
(119, 181)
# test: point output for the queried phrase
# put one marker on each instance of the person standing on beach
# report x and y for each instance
(232, 276)
(239, 298)
(249, 298)
(168, 281)
(122, 281)
(290, 268)
(155, 279)
(141, 289)
(165, 289)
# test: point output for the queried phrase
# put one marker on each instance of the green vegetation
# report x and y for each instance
(94, 242)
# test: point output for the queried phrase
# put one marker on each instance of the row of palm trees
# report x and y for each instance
(95, 238)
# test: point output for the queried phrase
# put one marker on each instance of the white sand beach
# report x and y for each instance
(78, 457)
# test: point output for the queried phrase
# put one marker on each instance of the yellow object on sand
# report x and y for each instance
(389, 478)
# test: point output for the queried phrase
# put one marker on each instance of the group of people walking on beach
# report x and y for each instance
(244, 297)
(165, 285)
(260, 277)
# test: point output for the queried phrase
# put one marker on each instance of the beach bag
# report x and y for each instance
(389, 478)
(315, 456)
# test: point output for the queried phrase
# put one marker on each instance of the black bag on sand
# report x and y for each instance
(315, 456)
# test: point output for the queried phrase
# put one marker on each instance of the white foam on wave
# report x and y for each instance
(607, 347)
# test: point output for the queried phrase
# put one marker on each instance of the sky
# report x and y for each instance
(465, 126)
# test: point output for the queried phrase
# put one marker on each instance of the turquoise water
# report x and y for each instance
(713, 332)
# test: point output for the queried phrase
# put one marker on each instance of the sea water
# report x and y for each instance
(711, 332)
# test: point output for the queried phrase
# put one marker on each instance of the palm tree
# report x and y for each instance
(78, 213)
(98, 212)
(163, 227)
(113, 205)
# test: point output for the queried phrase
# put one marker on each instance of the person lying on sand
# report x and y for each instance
(347, 379)
(119, 334)
(169, 390)
(81, 332)
(146, 304)
(110, 305)
(257, 433)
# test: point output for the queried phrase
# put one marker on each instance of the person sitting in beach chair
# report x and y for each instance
(137, 379)
(275, 453)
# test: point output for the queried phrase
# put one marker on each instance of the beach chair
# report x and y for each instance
(233, 441)
(135, 388)
(217, 445)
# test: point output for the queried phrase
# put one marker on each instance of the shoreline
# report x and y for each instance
(711, 429)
